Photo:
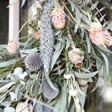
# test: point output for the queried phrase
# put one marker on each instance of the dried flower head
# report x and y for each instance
(12, 47)
(46, 37)
(33, 61)
(96, 34)
(82, 82)
(95, 27)
(98, 38)
(58, 18)
(76, 56)
(48, 92)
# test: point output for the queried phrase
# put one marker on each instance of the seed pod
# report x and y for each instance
(24, 107)
(58, 18)
(76, 57)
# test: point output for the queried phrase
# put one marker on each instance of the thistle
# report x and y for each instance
(33, 61)
(46, 37)
(48, 92)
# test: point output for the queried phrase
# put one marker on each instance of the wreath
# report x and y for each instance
(65, 52)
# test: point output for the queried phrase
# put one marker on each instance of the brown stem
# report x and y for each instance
(71, 40)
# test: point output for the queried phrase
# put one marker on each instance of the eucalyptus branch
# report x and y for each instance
(69, 12)
(11, 67)
(106, 4)
(99, 12)
(71, 40)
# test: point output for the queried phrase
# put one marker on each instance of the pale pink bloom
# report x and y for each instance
(98, 38)
(96, 34)
(12, 47)
(95, 27)
(58, 18)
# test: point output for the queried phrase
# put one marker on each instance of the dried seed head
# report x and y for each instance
(48, 92)
(76, 56)
(33, 61)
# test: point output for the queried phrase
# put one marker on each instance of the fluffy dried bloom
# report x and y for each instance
(12, 47)
(96, 34)
(46, 37)
(48, 92)
(98, 38)
(95, 27)
(76, 56)
(58, 18)
(33, 61)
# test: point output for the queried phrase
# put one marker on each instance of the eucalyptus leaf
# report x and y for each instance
(7, 63)
(104, 49)
(23, 2)
(106, 62)
(94, 5)
(13, 96)
(85, 75)
(100, 82)
(56, 55)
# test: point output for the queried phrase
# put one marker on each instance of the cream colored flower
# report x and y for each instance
(73, 92)
(67, 76)
(76, 56)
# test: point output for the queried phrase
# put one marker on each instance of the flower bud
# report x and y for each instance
(82, 82)
(76, 56)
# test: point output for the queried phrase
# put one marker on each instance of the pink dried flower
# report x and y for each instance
(12, 47)
(97, 36)
(58, 18)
